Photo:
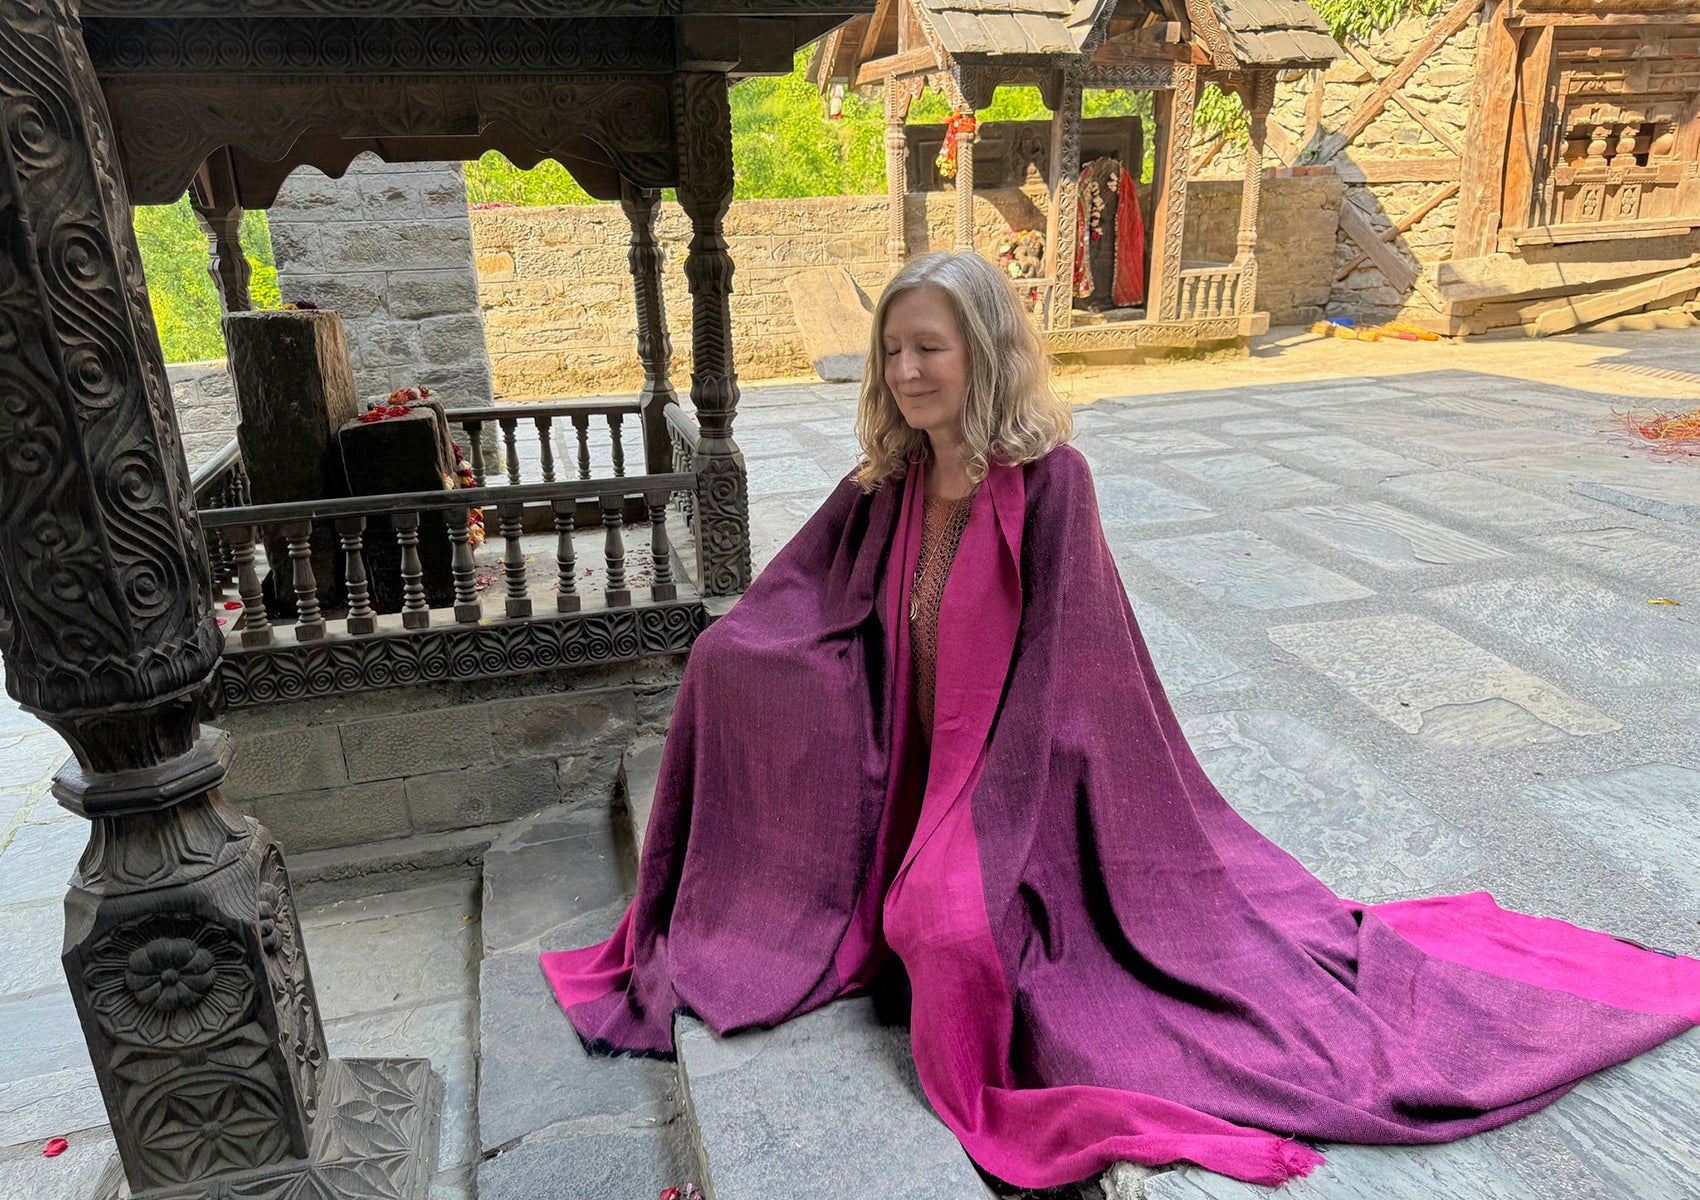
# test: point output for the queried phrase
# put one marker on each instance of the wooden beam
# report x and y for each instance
(910, 62)
(1528, 118)
(878, 22)
(1438, 197)
(1636, 295)
(1134, 54)
(1397, 271)
(1455, 19)
(1482, 171)
(1440, 169)
(1403, 101)
(1499, 277)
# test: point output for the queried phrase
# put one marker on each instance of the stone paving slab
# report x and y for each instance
(1185, 663)
(1344, 819)
(1255, 477)
(1481, 500)
(28, 756)
(1129, 500)
(1346, 454)
(1426, 679)
(1238, 567)
(1386, 536)
(1487, 410)
(32, 936)
(38, 863)
(398, 959)
(1164, 443)
(1664, 567)
(1491, 443)
(26, 1175)
(1643, 820)
(1265, 426)
(1592, 632)
(1195, 410)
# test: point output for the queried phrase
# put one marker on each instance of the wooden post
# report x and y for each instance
(212, 197)
(655, 345)
(704, 125)
(1482, 172)
(1062, 225)
(182, 946)
(1170, 218)
(1260, 96)
(965, 188)
(1528, 120)
(896, 172)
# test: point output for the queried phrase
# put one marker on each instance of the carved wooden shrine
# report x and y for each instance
(182, 945)
(968, 48)
(1584, 149)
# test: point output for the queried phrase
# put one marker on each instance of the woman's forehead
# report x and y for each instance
(920, 310)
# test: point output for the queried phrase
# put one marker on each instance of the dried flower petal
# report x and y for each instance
(55, 1147)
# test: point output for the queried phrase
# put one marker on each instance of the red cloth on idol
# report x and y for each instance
(1127, 288)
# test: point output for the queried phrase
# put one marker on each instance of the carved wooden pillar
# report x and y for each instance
(1260, 95)
(897, 97)
(965, 186)
(1062, 226)
(212, 194)
(655, 345)
(1169, 221)
(182, 946)
(704, 124)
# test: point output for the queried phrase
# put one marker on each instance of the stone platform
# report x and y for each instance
(1403, 616)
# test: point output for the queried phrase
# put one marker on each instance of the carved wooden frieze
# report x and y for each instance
(166, 129)
(264, 675)
(1123, 335)
(409, 45)
(472, 8)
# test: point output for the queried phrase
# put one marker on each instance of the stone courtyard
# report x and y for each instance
(1428, 621)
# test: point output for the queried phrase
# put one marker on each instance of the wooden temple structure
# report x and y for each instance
(182, 946)
(967, 49)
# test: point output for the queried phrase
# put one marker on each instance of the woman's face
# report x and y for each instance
(926, 360)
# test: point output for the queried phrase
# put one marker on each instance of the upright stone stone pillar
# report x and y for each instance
(182, 947)
(704, 123)
(655, 344)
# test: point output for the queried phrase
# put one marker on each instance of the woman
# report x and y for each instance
(983, 777)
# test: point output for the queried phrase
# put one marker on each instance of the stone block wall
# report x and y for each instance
(206, 407)
(381, 765)
(557, 294)
(388, 246)
(1295, 239)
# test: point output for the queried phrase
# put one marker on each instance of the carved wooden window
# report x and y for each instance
(1618, 152)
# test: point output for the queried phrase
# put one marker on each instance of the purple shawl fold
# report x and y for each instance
(1107, 961)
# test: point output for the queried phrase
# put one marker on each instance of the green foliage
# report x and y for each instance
(1220, 114)
(495, 180)
(1363, 19)
(185, 300)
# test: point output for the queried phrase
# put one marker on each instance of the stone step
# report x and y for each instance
(552, 1120)
(827, 1104)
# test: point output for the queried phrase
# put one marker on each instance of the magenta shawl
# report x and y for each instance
(1107, 961)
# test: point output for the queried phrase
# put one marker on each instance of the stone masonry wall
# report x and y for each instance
(389, 764)
(557, 294)
(388, 246)
(1295, 239)
(206, 407)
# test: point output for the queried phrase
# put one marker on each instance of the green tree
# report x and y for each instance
(185, 300)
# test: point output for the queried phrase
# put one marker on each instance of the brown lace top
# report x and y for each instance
(942, 523)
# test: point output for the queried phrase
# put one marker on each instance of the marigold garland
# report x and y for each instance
(961, 123)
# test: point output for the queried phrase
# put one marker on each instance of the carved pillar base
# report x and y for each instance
(375, 1139)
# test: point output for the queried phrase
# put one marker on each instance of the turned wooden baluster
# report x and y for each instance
(352, 533)
(309, 621)
(581, 426)
(614, 421)
(415, 613)
(475, 450)
(566, 586)
(518, 604)
(510, 443)
(660, 548)
(256, 630)
(618, 593)
(545, 439)
(467, 609)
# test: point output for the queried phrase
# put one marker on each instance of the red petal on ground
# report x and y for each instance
(55, 1148)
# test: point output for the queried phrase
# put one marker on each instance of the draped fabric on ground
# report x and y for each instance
(1107, 962)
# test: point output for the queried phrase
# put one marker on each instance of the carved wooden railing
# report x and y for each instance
(684, 434)
(319, 654)
(220, 482)
(542, 418)
(1209, 291)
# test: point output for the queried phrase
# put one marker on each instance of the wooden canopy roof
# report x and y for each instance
(913, 37)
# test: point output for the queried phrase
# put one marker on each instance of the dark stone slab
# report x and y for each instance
(409, 453)
(553, 871)
(827, 1104)
(635, 1162)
